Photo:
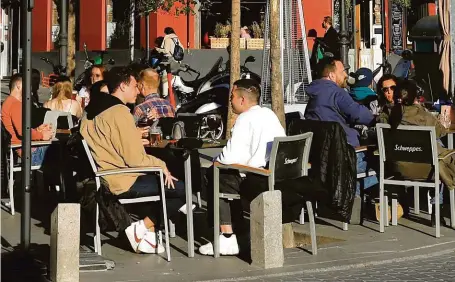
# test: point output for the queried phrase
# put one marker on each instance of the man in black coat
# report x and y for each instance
(331, 38)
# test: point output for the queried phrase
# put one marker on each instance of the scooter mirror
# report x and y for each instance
(250, 59)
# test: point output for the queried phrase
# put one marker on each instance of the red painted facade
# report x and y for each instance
(314, 13)
(41, 26)
(92, 24)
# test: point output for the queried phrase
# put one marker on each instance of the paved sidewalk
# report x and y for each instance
(360, 247)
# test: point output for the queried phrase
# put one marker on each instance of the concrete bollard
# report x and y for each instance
(266, 230)
(65, 241)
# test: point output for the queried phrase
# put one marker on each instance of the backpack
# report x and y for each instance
(178, 51)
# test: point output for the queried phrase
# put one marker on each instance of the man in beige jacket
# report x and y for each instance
(115, 143)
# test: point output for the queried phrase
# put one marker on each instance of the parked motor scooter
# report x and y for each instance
(208, 96)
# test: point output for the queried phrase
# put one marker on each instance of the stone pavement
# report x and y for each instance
(436, 267)
(352, 252)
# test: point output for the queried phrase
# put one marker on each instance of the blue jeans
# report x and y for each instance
(366, 182)
(38, 154)
(149, 185)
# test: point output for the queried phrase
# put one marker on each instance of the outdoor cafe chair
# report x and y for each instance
(12, 163)
(162, 197)
(288, 160)
(416, 144)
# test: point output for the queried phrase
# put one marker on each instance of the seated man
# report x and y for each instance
(12, 121)
(250, 145)
(115, 143)
(330, 102)
(153, 107)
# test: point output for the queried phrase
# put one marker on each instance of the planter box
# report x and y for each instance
(223, 43)
(255, 44)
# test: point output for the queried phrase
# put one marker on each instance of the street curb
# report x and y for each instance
(336, 268)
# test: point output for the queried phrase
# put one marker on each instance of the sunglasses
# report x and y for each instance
(392, 88)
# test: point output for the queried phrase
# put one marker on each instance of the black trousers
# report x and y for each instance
(231, 212)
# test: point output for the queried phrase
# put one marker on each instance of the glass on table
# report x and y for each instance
(155, 136)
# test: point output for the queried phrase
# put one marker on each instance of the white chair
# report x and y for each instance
(162, 197)
(51, 117)
(13, 166)
(288, 160)
(416, 144)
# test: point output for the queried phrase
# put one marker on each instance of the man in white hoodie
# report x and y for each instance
(251, 141)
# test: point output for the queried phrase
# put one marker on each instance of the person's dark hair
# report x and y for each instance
(380, 84)
(328, 20)
(325, 66)
(96, 89)
(250, 88)
(169, 30)
(405, 94)
(13, 80)
(117, 76)
(159, 41)
(136, 69)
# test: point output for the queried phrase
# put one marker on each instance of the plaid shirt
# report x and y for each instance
(153, 101)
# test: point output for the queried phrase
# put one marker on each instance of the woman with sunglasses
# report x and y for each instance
(385, 87)
(407, 111)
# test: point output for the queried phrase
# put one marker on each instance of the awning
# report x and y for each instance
(426, 28)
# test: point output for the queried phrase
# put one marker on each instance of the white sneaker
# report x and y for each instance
(228, 247)
(149, 244)
(183, 208)
(135, 232)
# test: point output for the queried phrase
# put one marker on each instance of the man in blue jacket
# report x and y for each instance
(329, 101)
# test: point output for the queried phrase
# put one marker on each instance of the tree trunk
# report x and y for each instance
(275, 60)
(234, 59)
(71, 59)
(131, 33)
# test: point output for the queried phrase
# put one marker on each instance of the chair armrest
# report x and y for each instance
(34, 144)
(448, 155)
(129, 170)
(243, 168)
(359, 149)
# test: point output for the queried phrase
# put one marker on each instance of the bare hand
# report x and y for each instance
(152, 114)
(145, 141)
(169, 179)
(47, 134)
(144, 131)
(44, 127)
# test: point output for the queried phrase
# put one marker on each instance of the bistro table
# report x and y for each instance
(173, 145)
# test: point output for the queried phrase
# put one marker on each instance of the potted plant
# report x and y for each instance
(257, 41)
(221, 37)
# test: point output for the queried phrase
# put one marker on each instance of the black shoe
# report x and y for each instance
(433, 217)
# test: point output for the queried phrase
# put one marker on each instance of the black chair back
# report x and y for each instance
(289, 156)
(406, 144)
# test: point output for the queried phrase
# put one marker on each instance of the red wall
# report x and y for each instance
(161, 20)
(92, 24)
(41, 26)
(314, 13)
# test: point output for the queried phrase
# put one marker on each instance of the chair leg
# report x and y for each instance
(416, 200)
(394, 211)
(199, 200)
(165, 218)
(314, 246)
(97, 239)
(437, 212)
(11, 190)
(452, 208)
(216, 212)
(345, 226)
(386, 210)
(302, 216)
(171, 229)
